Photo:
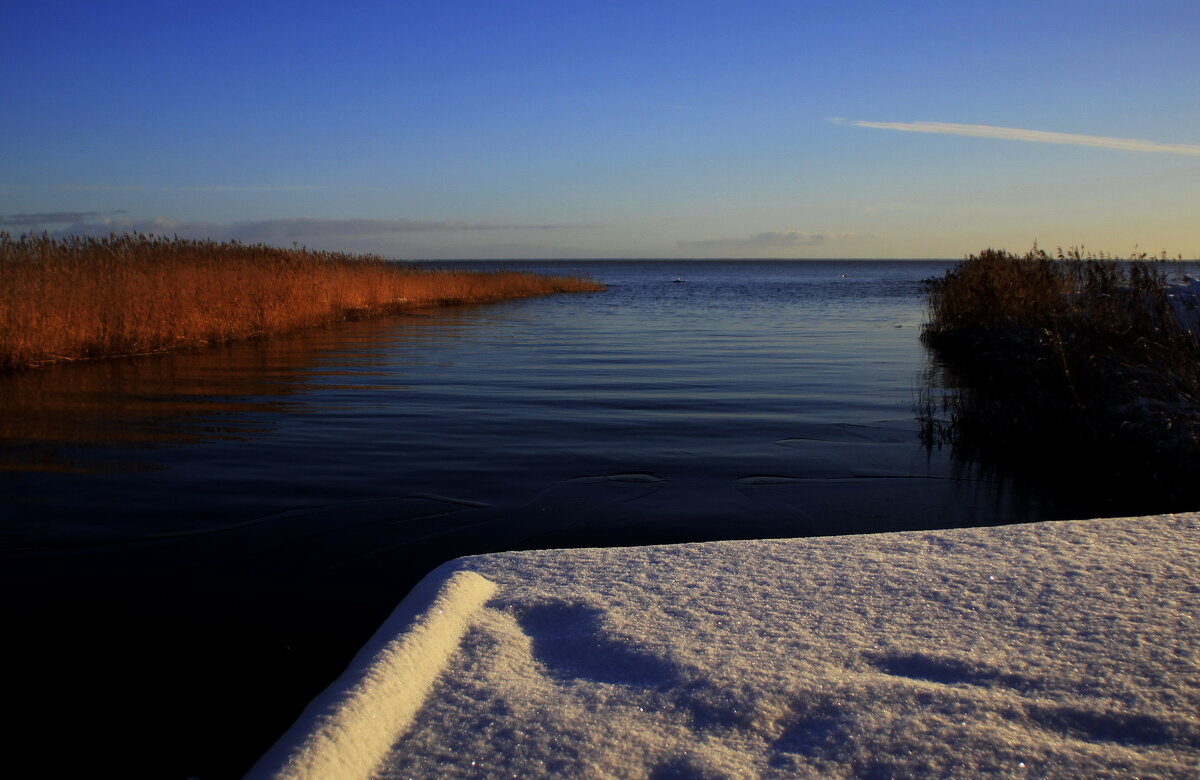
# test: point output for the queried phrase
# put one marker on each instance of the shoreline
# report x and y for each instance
(130, 295)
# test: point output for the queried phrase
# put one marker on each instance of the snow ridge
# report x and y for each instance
(349, 729)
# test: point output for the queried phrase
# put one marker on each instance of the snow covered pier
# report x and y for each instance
(1067, 649)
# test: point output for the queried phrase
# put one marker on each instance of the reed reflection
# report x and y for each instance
(975, 425)
(69, 418)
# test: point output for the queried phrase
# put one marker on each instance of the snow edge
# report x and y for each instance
(351, 725)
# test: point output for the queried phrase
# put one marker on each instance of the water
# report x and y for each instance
(221, 529)
(719, 378)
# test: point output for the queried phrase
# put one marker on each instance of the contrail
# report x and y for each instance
(1034, 136)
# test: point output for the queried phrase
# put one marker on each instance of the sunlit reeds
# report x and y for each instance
(1073, 355)
(76, 298)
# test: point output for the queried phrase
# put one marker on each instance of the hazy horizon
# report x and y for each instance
(661, 130)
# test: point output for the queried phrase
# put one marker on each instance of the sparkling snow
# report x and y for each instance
(1067, 649)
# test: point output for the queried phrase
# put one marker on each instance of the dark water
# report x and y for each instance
(746, 370)
(193, 544)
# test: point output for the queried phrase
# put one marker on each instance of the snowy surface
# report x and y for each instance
(1065, 649)
(1185, 302)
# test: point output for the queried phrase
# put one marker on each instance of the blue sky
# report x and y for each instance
(614, 129)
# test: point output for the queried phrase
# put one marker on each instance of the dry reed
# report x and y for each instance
(78, 298)
(1068, 357)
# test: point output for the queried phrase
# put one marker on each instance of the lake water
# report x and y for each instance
(201, 540)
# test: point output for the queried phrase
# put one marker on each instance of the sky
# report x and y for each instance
(463, 129)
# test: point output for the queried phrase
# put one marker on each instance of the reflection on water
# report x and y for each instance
(229, 524)
(57, 414)
(973, 423)
(56, 418)
(214, 434)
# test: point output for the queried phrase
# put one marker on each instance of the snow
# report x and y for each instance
(1184, 299)
(348, 728)
(1066, 649)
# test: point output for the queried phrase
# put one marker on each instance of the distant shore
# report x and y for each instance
(82, 298)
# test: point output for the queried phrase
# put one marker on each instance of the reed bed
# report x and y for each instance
(78, 298)
(1073, 356)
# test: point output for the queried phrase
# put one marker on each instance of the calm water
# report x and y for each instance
(205, 538)
(799, 372)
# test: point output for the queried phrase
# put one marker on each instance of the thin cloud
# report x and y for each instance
(97, 188)
(304, 227)
(245, 188)
(774, 240)
(1032, 136)
(47, 218)
(167, 227)
(196, 188)
(278, 230)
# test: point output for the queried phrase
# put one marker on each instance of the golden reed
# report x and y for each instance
(76, 298)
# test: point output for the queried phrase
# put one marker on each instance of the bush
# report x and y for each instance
(1081, 356)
